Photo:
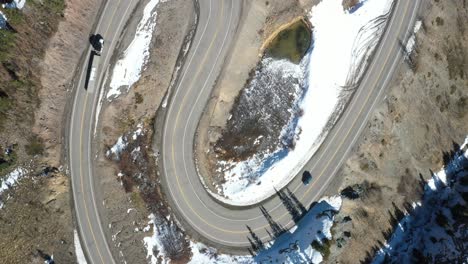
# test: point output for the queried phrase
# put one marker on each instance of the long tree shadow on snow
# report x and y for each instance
(435, 230)
(293, 246)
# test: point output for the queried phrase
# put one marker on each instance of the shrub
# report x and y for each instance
(138, 98)
(35, 146)
(323, 247)
(15, 16)
(7, 42)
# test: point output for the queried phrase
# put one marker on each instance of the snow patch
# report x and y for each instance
(240, 175)
(291, 247)
(10, 180)
(19, 4)
(122, 143)
(431, 230)
(339, 43)
(412, 40)
(166, 239)
(153, 242)
(138, 132)
(128, 69)
(118, 147)
(3, 21)
(80, 257)
(207, 255)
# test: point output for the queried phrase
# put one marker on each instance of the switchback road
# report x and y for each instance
(214, 223)
(80, 135)
(225, 226)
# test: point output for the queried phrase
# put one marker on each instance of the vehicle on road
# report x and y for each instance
(97, 42)
(306, 177)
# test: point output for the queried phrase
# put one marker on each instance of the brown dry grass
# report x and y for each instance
(35, 77)
(57, 70)
(41, 221)
(407, 136)
(20, 73)
(348, 4)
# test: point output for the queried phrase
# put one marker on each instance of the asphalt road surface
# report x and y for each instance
(80, 135)
(212, 222)
(225, 226)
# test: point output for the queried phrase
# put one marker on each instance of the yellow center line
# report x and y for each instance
(351, 128)
(357, 116)
(319, 175)
(180, 110)
(81, 177)
(81, 151)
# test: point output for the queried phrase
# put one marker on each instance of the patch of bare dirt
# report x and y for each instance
(409, 135)
(57, 70)
(37, 218)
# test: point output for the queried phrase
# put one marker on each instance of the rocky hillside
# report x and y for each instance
(40, 49)
(408, 135)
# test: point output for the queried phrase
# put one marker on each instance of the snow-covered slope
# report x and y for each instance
(342, 41)
(128, 69)
(436, 230)
(293, 246)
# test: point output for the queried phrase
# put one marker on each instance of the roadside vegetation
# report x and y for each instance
(140, 180)
(22, 46)
(424, 114)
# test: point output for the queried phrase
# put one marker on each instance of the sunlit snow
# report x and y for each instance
(15, 4)
(10, 180)
(290, 247)
(80, 257)
(422, 231)
(327, 67)
(128, 69)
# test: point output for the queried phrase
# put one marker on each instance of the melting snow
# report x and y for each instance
(122, 142)
(412, 40)
(291, 247)
(3, 21)
(203, 254)
(128, 69)
(19, 4)
(80, 257)
(117, 148)
(10, 180)
(138, 131)
(165, 235)
(430, 230)
(294, 246)
(150, 243)
(328, 66)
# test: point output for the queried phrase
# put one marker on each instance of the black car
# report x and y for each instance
(306, 177)
(97, 42)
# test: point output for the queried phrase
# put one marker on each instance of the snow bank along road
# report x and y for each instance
(226, 226)
(79, 135)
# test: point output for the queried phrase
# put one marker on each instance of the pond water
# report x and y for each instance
(291, 42)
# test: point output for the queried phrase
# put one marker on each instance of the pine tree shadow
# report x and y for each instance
(293, 246)
(408, 217)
